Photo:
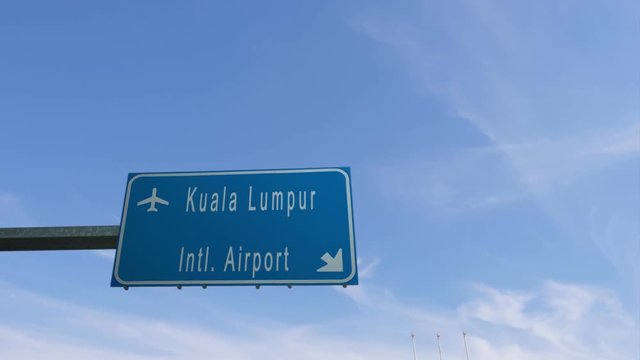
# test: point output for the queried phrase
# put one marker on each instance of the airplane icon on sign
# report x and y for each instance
(153, 199)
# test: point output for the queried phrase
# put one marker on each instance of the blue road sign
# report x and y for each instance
(263, 227)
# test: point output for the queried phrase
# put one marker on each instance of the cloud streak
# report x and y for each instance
(555, 321)
(557, 112)
(13, 211)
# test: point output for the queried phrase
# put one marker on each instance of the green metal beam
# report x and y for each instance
(59, 238)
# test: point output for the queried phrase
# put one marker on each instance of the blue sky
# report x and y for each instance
(493, 147)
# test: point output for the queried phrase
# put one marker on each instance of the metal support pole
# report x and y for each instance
(413, 341)
(59, 238)
(439, 350)
(466, 350)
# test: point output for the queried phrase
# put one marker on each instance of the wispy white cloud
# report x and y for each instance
(13, 211)
(33, 344)
(616, 235)
(550, 128)
(546, 163)
(457, 181)
(105, 254)
(367, 267)
(572, 321)
(558, 111)
(555, 321)
(473, 179)
(68, 331)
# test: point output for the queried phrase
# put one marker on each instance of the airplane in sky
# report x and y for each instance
(153, 199)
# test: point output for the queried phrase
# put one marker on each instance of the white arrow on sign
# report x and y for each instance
(333, 263)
